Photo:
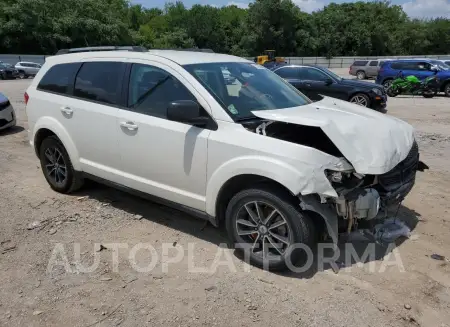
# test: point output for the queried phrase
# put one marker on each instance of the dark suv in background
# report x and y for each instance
(314, 81)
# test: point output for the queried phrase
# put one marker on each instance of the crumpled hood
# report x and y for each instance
(372, 142)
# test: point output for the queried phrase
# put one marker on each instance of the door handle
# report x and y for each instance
(308, 85)
(66, 110)
(129, 125)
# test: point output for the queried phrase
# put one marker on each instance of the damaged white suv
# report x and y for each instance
(254, 153)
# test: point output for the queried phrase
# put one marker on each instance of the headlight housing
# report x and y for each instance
(377, 91)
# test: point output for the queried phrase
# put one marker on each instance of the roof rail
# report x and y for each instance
(189, 49)
(103, 48)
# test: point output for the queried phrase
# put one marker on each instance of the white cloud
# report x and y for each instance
(242, 5)
(309, 5)
(427, 8)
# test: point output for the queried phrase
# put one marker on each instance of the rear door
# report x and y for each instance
(91, 115)
(292, 75)
(372, 68)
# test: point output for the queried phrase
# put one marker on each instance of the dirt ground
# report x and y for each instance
(37, 292)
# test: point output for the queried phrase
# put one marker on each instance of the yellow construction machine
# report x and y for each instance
(269, 56)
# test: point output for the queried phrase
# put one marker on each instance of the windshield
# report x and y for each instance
(440, 64)
(329, 72)
(245, 87)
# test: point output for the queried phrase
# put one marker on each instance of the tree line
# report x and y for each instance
(348, 29)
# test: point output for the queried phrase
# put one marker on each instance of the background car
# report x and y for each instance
(363, 69)
(7, 115)
(421, 68)
(7, 71)
(315, 81)
(27, 69)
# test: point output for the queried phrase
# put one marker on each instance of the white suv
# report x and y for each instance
(256, 155)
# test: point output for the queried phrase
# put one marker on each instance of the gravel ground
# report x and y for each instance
(38, 291)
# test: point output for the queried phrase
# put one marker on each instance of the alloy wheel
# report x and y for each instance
(360, 75)
(55, 165)
(359, 100)
(21, 75)
(264, 228)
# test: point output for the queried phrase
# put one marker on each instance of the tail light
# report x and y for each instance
(26, 97)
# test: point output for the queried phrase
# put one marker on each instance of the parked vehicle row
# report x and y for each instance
(21, 70)
(421, 69)
(258, 156)
(364, 69)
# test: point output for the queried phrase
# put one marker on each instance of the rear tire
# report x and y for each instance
(387, 84)
(390, 92)
(57, 167)
(447, 89)
(361, 75)
(256, 234)
(430, 94)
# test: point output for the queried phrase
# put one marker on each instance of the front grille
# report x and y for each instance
(4, 105)
(397, 183)
(403, 173)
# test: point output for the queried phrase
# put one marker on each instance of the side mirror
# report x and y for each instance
(434, 68)
(328, 81)
(186, 111)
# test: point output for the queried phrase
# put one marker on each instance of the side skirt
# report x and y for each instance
(188, 210)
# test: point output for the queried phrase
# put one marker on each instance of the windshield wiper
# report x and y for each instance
(246, 118)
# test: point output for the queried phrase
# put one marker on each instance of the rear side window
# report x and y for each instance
(288, 72)
(360, 63)
(59, 78)
(99, 81)
(373, 63)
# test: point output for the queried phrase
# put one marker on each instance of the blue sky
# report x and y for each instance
(415, 8)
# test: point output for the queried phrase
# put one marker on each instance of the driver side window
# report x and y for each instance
(152, 89)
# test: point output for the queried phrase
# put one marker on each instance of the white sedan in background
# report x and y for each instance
(7, 115)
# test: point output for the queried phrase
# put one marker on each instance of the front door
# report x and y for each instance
(160, 157)
(317, 83)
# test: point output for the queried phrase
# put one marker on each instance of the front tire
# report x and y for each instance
(22, 75)
(269, 227)
(57, 167)
(360, 99)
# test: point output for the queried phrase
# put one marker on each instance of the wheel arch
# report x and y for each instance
(48, 126)
(241, 182)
